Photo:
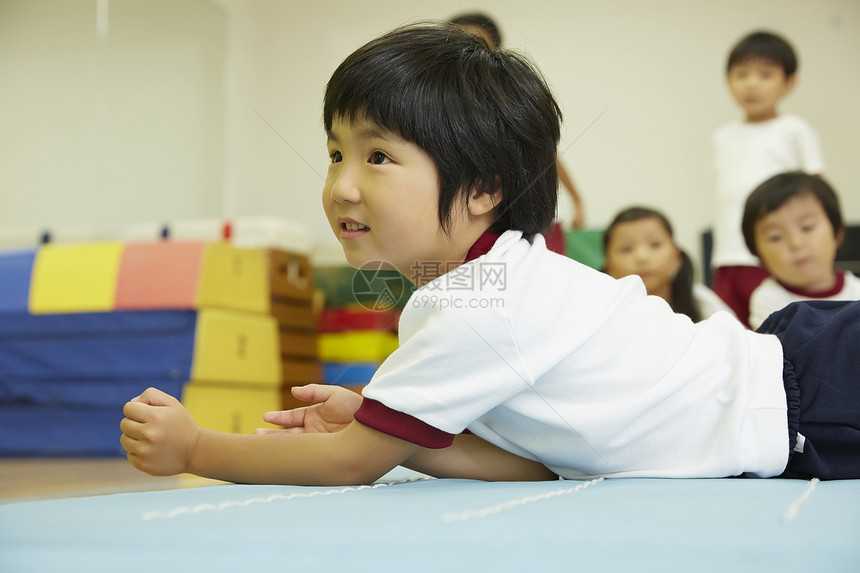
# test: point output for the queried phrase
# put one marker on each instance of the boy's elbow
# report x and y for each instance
(361, 475)
(363, 455)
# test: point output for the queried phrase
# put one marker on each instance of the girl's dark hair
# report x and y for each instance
(482, 21)
(682, 283)
(485, 117)
(767, 46)
(774, 192)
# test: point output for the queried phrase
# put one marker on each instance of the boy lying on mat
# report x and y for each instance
(443, 166)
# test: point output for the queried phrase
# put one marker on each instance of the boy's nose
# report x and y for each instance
(344, 188)
(795, 240)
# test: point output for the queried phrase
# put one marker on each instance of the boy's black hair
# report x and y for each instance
(683, 301)
(485, 117)
(773, 193)
(482, 21)
(765, 45)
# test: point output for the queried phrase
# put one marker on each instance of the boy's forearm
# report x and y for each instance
(356, 455)
(471, 457)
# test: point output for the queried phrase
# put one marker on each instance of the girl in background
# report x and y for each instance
(640, 241)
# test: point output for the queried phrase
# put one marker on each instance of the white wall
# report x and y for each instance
(651, 72)
(111, 112)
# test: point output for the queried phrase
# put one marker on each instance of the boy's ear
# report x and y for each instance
(840, 237)
(677, 263)
(482, 199)
(790, 83)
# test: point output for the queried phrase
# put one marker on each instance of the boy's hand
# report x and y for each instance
(158, 433)
(332, 410)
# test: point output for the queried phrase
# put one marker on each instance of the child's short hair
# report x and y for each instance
(482, 21)
(765, 45)
(774, 192)
(485, 117)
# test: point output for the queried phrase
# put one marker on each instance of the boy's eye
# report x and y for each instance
(335, 157)
(378, 158)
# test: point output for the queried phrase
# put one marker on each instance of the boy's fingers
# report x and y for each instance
(138, 408)
(131, 428)
(260, 431)
(136, 411)
(156, 397)
(286, 418)
(313, 393)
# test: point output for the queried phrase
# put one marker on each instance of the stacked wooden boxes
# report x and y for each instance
(291, 284)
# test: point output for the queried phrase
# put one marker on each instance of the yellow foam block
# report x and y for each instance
(232, 346)
(357, 346)
(231, 277)
(237, 409)
(75, 278)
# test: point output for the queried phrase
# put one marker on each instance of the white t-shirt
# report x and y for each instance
(771, 296)
(746, 154)
(560, 363)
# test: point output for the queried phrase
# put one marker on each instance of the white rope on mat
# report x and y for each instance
(791, 512)
(184, 510)
(490, 510)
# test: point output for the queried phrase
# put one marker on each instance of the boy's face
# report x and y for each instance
(644, 248)
(797, 244)
(381, 197)
(758, 84)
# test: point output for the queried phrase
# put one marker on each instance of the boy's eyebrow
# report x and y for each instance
(368, 132)
(765, 226)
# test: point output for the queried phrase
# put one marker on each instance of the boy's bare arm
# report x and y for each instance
(161, 438)
(471, 457)
(332, 410)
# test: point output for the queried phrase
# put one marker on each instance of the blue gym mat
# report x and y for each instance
(617, 525)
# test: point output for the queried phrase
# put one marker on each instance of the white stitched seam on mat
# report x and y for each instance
(484, 512)
(791, 512)
(150, 515)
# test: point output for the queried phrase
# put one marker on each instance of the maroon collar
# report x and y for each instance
(837, 288)
(482, 246)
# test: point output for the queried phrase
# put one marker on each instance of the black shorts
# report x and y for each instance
(821, 349)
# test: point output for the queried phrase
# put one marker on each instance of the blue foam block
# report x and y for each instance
(15, 270)
(69, 418)
(89, 346)
(349, 373)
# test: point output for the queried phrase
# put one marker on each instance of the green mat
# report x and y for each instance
(586, 247)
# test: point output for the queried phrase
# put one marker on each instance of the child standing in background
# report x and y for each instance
(793, 223)
(761, 71)
(640, 241)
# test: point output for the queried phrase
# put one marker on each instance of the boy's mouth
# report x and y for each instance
(351, 229)
(354, 227)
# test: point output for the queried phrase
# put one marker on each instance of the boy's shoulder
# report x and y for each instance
(851, 285)
(784, 123)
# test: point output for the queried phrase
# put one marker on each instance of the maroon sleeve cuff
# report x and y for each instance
(380, 417)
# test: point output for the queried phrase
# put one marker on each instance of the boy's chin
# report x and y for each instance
(367, 264)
